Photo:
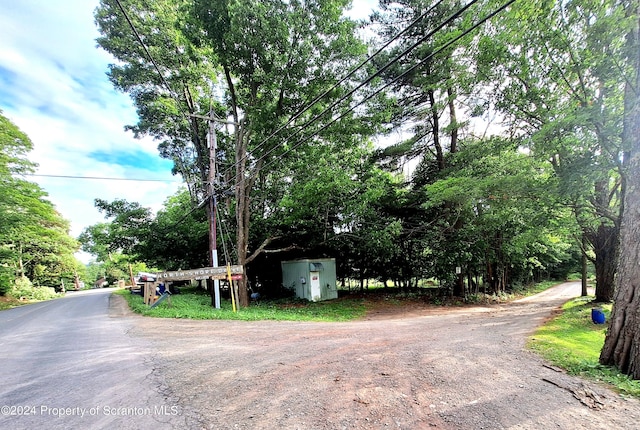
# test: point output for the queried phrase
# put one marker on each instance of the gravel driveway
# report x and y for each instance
(463, 368)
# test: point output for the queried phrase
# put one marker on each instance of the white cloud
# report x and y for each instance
(53, 86)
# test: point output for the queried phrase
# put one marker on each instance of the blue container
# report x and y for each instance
(597, 316)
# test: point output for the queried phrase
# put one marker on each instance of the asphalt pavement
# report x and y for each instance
(65, 364)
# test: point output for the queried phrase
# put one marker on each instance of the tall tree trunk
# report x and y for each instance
(606, 247)
(454, 121)
(20, 271)
(622, 344)
(242, 215)
(606, 243)
(458, 287)
(585, 262)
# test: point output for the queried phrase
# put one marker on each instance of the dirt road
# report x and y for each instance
(456, 369)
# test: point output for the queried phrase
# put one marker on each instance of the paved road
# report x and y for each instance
(65, 364)
(459, 369)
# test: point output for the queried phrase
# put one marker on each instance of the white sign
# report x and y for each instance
(203, 273)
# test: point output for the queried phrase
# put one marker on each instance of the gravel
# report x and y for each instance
(421, 368)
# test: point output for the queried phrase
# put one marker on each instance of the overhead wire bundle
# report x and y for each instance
(302, 128)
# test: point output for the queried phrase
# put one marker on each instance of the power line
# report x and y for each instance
(144, 47)
(430, 34)
(100, 178)
(347, 76)
(318, 98)
(172, 94)
(369, 79)
(412, 68)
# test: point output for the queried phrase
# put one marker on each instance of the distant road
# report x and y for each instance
(65, 364)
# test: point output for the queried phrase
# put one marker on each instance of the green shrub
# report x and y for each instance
(5, 282)
(196, 304)
(22, 288)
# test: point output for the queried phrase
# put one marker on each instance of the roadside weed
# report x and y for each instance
(573, 342)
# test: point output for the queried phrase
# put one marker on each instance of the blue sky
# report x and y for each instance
(54, 87)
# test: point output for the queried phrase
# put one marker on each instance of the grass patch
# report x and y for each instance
(8, 302)
(572, 341)
(195, 303)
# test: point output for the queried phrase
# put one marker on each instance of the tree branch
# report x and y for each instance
(262, 249)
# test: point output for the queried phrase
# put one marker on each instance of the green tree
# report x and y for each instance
(433, 85)
(168, 95)
(129, 225)
(264, 60)
(429, 83)
(621, 347)
(171, 79)
(118, 242)
(555, 69)
(175, 238)
(278, 56)
(14, 147)
(512, 225)
(334, 206)
(34, 239)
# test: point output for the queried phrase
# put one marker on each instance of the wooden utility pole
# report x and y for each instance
(213, 238)
(212, 211)
(131, 278)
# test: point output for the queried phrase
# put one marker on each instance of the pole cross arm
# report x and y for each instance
(212, 118)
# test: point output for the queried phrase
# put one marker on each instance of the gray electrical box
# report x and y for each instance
(314, 280)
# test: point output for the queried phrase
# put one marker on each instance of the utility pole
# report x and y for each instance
(213, 242)
(213, 238)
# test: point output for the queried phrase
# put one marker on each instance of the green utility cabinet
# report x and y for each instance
(314, 280)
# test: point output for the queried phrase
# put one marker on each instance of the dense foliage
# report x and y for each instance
(251, 65)
(35, 246)
(512, 134)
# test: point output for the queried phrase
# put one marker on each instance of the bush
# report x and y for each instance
(23, 288)
(5, 282)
